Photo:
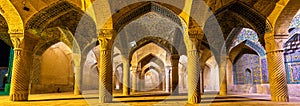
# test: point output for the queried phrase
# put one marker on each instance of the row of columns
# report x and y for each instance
(20, 81)
(126, 76)
(165, 76)
(276, 72)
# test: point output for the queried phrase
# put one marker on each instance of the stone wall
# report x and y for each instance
(56, 72)
(249, 88)
(293, 89)
(247, 62)
(211, 75)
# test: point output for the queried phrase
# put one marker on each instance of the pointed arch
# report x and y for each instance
(236, 34)
(239, 50)
(54, 14)
(148, 58)
(288, 12)
(12, 17)
(156, 40)
(125, 15)
(248, 17)
(58, 35)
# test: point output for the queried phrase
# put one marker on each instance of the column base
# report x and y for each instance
(280, 99)
(105, 99)
(77, 93)
(18, 96)
(175, 92)
(222, 93)
(194, 100)
(126, 92)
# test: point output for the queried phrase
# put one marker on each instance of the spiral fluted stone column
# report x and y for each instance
(20, 78)
(77, 74)
(105, 65)
(222, 76)
(126, 89)
(194, 96)
(175, 77)
(277, 76)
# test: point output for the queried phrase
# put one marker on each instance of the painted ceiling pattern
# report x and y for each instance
(246, 34)
(296, 21)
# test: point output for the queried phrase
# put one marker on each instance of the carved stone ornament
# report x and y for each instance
(195, 33)
(106, 33)
(1, 10)
(17, 41)
(104, 37)
(105, 43)
(194, 43)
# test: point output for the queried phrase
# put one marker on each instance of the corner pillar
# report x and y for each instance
(77, 89)
(175, 77)
(167, 73)
(126, 89)
(222, 76)
(134, 79)
(163, 81)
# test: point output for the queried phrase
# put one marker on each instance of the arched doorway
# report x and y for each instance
(6, 58)
(151, 60)
(56, 71)
(248, 58)
(291, 55)
(249, 79)
(152, 80)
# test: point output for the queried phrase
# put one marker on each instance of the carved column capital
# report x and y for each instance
(133, 69)
(17, 40)
(270, 42)
(105, 36)
(193, 44)
(106, 32)
(275, 51)
(195, 33)
(105, 43)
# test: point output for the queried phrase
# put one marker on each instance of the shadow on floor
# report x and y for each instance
(207, 98)
(55, 99)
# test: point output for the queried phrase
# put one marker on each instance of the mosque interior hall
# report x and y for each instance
(150, 52)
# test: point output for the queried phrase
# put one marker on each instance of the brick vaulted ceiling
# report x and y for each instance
(234, 13)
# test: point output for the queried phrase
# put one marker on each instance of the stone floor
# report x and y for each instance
(147, 99)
